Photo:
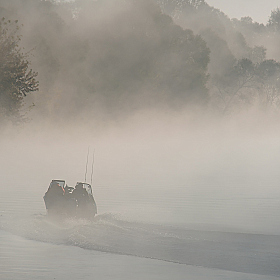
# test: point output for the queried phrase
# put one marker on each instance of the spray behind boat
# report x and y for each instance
(78, 201)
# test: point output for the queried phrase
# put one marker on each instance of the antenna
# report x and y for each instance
(92, 167)
(86, 165)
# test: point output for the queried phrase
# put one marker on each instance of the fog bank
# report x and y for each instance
(195, 170)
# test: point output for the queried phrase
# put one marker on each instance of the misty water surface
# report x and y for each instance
(205, 195)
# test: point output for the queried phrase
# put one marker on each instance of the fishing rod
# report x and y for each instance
(86, 165)
(92, 167)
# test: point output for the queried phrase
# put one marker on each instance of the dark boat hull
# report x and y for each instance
(77, 203)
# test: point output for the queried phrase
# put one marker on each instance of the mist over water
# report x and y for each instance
(176, 177)
(160, 167)
(168, 186)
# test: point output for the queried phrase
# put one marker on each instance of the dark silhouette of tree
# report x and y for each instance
(274, 20)
(111, 56)
(135, 56)
(268, 75)
(16, 79)
(257, 54)
(236, 85)
(246, 83)
(221, 58)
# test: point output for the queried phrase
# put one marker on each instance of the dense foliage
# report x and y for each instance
(241, 74)
(111, 56)
(16, 79)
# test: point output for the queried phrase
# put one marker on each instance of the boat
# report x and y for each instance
(62, 200)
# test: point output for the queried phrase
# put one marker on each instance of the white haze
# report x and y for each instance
(172, 182)
(174, 168)
(258, 10)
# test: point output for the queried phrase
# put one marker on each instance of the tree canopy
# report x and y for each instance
(16, 79)
(112, 56)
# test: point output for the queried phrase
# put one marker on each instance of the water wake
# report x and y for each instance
(248, 253)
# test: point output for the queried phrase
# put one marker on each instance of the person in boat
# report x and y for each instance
(70, 201)
(68, 190)
(80, 194)
(54, 197)
(83, 200)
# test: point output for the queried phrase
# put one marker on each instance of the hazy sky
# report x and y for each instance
(259, 10)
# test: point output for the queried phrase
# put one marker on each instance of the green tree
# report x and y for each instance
(142, 52)
(247, 82)
(274, 20)
(268, 74)
(221, 58)
(236, 86)
(257, 54)
(109, 56)
(16, 79)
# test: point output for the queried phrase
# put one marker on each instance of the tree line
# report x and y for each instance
(109, 56)
(243, 67)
